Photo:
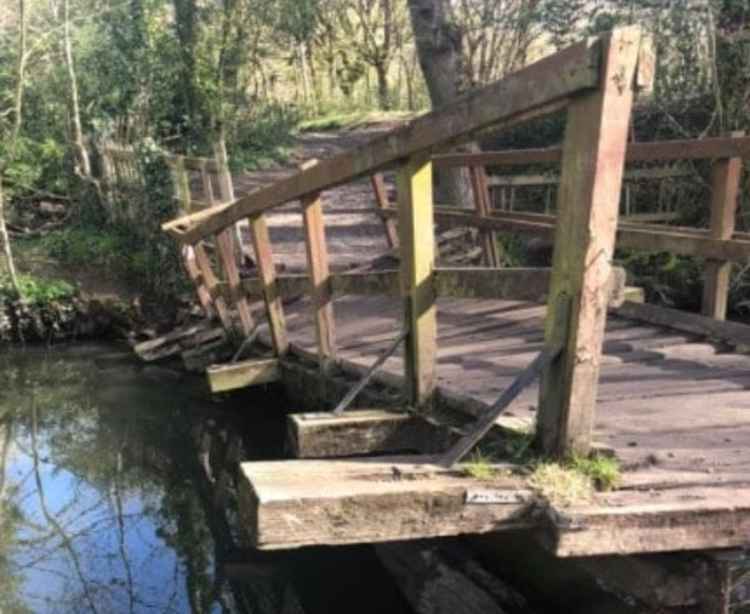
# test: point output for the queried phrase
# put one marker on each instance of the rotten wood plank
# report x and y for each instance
(589, 194)
(233, 376)
(289, 504)
(212, 286)
(541, 84)
(417, 267)
(725, 183)
(482, 205)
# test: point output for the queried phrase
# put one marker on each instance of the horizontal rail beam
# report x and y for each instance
(676, 240)
(687, 149)
(519, 97)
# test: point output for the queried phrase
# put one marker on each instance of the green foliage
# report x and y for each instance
(37, 291)
(603, 471)
(479, 466)
(264, 138)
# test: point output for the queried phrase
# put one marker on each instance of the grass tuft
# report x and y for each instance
(561, 485)
(603, 471)
(479, 466)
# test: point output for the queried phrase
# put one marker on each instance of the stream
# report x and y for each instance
(106, 505)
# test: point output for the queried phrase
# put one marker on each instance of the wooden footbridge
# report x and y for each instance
(568, 353)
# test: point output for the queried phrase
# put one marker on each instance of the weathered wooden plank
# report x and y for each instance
(592, 169)
(686, 149)
(288, 504)
(381, 202)
(365, 431)
(226, 246)
(548, 81)
(725, 183)
(204, 296)
(223, 378)
(267, 278)
(677, 240)
(320, 277)
(668, 521)
(731, 333)
(417, 266)
(212, 286)
(482, 206)
(177, 340)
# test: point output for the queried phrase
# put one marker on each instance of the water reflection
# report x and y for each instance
(108, 476)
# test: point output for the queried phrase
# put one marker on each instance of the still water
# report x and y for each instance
(106, 497)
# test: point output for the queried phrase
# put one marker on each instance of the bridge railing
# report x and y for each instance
(595, 82)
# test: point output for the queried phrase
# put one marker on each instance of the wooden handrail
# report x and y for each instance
(687, 149)
(529, 93)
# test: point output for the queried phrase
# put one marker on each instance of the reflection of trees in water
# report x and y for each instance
(113, 487)
(83, 539)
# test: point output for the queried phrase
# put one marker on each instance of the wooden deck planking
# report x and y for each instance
(651, 377)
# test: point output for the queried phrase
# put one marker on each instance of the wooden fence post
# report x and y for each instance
(211, 284)
(482, 204)
(225, 245)
(588, 201)
(267, 276)
(381, 201)
(226, 190)
(725, 184)
(417, 238)
(182, 184)
(321, 292)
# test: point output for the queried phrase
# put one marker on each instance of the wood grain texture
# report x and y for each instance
(417, 267)
(588, 203)
(725, 184)
(234, 376)
(320, 277)
(267, 278)
(381, 202)
(226, 245)
(288, 504)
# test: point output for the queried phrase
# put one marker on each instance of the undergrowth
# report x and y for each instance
(37, 290)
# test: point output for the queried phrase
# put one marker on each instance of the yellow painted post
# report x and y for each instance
(417, 240)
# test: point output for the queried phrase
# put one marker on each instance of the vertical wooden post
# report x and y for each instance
(381, 201)
(588, 202)
(225, 245)
(482, 204)
(212, 286)
(226, 189)
(267, 276)
(417, 238)
(320, 278)
(194, 272)
(725, 184)
(208, 188)
(182, 184)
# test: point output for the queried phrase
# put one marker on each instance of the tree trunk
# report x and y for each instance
(383, 99)
(438, 43)
(5, 240)
(83, 163)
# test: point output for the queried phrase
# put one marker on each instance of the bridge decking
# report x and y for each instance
(666, 399)
(675, 408)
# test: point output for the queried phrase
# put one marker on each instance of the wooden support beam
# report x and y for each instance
(288, 504)
(591, 178)
(204, 296)
(320, 278)
(725, 185)
(208, 188)
(528, 93)
(674, 239)
(658, 151)
(381, 202)
(365, 431)
(233, 376)
(226, 246)
(267, 277)
(417, 267)
(482, 205)
(212, 286)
